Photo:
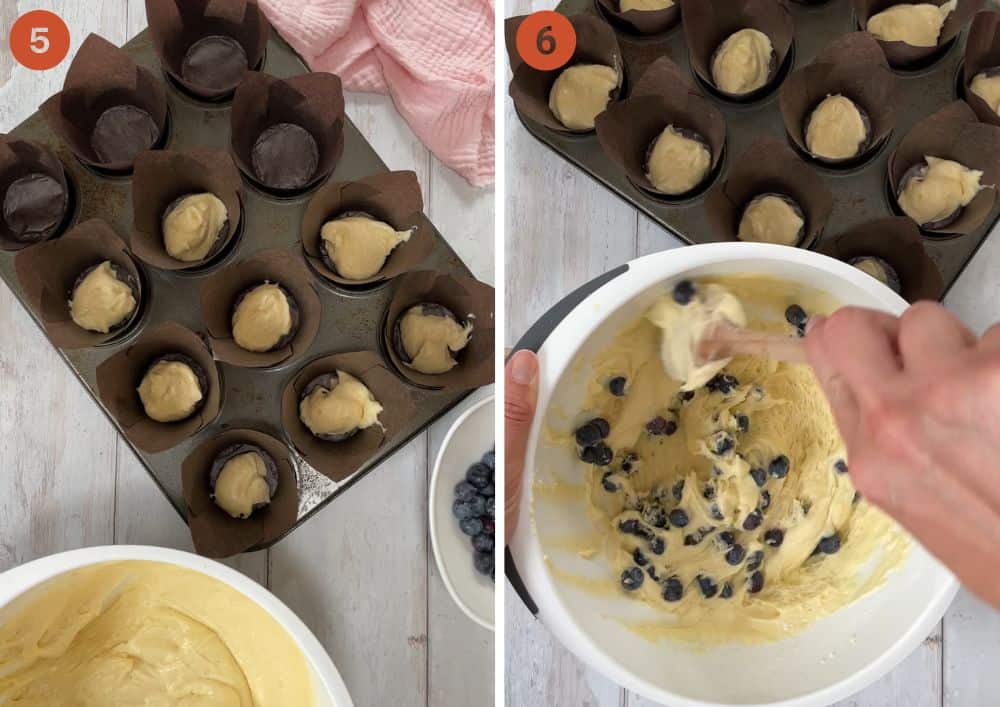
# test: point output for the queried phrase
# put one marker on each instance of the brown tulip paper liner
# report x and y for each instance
(221, 291)
(102, 76)
(902, 55)
(708, 23)
(661, 97)
(175, 25)
(314, 102)
(982, 52)
(953, 133)
(20, 158)
(470, 301)
(854, 67)
(392, 197)
(119, 376)
(897, 241)
(529, 88)
(216, 533)
(48, 273)
(643, 22)
(769, 166)
(338, 460)
(163, 176)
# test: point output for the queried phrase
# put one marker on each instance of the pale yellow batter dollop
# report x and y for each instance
(879, 269)
(987, 86)
(101, 301)
(170, 391)
(938, 190)
(770, 219)
(917, 25)
(193, 225)
(580, 93)
(626, 5)
(836, 130)
(348, 407)
(431, 341)
(146, 634)
(677, 163)
(743, 62)
(262, 318)
(359, 245)
(242, 485)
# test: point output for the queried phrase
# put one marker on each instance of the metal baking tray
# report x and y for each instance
(860, 194)
(352, 320)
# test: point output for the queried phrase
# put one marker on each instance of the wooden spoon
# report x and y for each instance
(725, 340)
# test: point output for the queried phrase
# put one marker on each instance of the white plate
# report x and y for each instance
(468, 439)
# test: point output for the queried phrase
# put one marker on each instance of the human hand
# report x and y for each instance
(917, 400)
(520, 395)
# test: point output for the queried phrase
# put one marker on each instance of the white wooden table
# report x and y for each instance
(564, 229)
(361, 573)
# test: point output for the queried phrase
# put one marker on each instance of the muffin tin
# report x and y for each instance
(352, 318)
(859, 193)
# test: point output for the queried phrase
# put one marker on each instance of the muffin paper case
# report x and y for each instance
(48, 273)
(901, 54)
(469, 300)
(19, 158)
(216, 533)
(163, 176)
(769, 166)
(119, 376)
(854, 67)
(644, 22)
(221, 292)
(174, 25)
(529, 88)
(102, 76)
(313, 101)
(392, 197)
(953, 133)
(338, 460)
(661, 97)
(897, 241)
(982, 52)
(708, 23)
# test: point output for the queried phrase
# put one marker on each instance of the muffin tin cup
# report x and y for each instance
(339, 460)
(162, 177)
(392, 197)
(769, 166)
(48, 272)
(982, 53)
(175, 25)
(643, 22)
(119, 376)
(100, 77)
(662, 96)
(221, 291)
(906, 56)
(216, 533)
(529, 88)
(952, 133)
(897, 241)
(20, 158)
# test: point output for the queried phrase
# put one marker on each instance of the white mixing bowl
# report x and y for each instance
(328, 686)
(834, 657)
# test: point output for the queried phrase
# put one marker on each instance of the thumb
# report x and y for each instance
(520, 393)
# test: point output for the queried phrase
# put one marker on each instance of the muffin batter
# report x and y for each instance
(938, 190)
(986, 85)
(580, 93)
(358, 245)
(742, 63)
(771, 219)
(836, 129)
(916, 25)
(242, 486)
(645, 5)
(101, 301)
(345, 408)
(138, 634)
(192, 225)
(262, 319)
(678, 162)
(170, 391)
(431, 339)
(879, 269)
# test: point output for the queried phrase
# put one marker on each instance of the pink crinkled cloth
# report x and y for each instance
(434, 57)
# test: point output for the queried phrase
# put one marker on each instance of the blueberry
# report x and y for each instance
(592, 432)
(765, 500)
(657, 545)
(489, 459)
(829, 545)
(602, 454)
(479, 475)
(629, 461)
(461, 510)
(678, 490)
(488, 526)
(632, 578)
(655, 515)
(708, 586)
(491, 506)
(639, 558)
(687, 395)
(651, 571)
(840, 466)
(778, 468)
(693, 539)
(727, 538)
(471, 526)
(679, 518)
(617, 386)
(630, 526)
(588, 455)
(484, 562)
(609, 483)
(723, 383)
(673, 590)
(774, 537)
(489, 490)
(756, 582)
(464, 491)
(727, 591)
(483, 543)
(716, 512)
(857, 497)
(683, 292)
(660, 425)
(796, 316)
(603, 428)
(708, 493)
(735, 554)
(759, 476)
(742, 422)
(721, 442)
(477, 505)
(755, 560)
(753, 520)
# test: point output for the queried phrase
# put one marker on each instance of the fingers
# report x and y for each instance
(990, 341)
(520, 393)
(931, 337)
(858, 346)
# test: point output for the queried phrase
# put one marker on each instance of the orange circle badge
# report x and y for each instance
(39, 40)
(546, 40)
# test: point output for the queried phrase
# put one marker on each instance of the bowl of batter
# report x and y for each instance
(132, 626)
(699, 541)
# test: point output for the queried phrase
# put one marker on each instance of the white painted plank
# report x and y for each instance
(464, 216)
(971, 649)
